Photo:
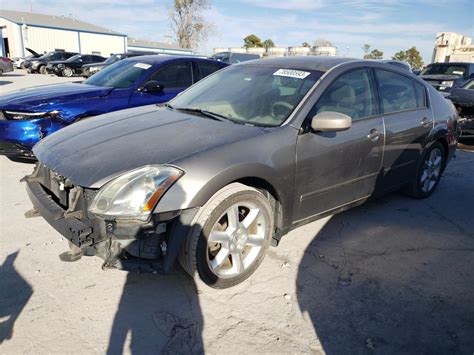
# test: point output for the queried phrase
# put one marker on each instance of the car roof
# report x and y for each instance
(319, 63)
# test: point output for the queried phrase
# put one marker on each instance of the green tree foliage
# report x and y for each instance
(375, 54)
(411, 56)
(268, 43)
(252, 41)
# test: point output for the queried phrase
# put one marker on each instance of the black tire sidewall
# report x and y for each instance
(204, 271)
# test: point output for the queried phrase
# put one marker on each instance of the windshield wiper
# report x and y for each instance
(209, 114)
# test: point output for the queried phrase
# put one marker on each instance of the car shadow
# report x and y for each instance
(391, 276)
(157, 314)
(14, 295)
(4, 82)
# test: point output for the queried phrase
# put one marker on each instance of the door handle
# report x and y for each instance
(374, 135)
(425, 122)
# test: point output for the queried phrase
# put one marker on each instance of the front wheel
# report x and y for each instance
(230, 236)
(42, 69)
(67, 72)
(429, 171)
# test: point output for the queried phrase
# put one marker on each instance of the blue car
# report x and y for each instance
(28, 115)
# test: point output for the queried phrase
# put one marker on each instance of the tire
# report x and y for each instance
(67, 72)
(42, 69)
(1, 72)
(428, 175)
(199, 257)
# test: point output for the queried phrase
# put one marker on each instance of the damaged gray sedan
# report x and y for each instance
(237, 161)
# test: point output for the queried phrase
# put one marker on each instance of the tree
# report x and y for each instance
(375, 54)
(366, 49)
(411, 56)
(188, 23)
(252, 41)
(268, 43)
(400, 56)
(305, 44)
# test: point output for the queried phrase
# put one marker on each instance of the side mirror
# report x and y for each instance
(151, 86)
(331, 122)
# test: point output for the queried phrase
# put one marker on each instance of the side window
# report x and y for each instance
(351, 94)
(175, 75)
(397, 92)
(420, 95)
(87, 59)
(207, 68)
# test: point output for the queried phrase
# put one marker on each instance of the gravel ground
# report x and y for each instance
(392, 276)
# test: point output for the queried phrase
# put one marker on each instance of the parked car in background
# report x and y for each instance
(463, 99)
(38, 65)
(234, 58)
(6, 65)
(73, 65)
(445, 76)
(238, 160)
(90, 69)
(20, 62)
(28, 115)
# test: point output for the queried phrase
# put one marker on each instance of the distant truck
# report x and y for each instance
(445, 76)
(234, 58)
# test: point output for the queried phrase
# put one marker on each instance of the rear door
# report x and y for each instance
(174, 77)
(408, 122)
(337, 168)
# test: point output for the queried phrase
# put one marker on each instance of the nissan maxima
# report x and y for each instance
(223, 171)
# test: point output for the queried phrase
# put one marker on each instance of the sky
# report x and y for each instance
(389, 25)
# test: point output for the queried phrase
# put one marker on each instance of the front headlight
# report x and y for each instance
(136, 193)
(60, 65)
(447, 83)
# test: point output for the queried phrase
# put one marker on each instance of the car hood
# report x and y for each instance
(440, 77)
(462, 97)
(42, 97)
(92, 152)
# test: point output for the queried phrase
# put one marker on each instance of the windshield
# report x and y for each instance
(444, 69)
(257, 95)
(120, 75)
(47, 56)
(74, 58)
(113, 58)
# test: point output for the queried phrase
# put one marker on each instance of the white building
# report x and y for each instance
(44, 33)
(453, 47)
(139, 45)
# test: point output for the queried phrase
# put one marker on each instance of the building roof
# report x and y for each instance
(320, 63)
(134, 42)
(49, 21)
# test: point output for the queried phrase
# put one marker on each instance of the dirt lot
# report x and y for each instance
(392, 276)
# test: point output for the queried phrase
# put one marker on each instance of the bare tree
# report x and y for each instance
(188, 23)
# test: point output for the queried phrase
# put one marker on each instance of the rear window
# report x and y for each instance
(397, 92)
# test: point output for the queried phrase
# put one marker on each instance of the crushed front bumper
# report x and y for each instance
(123, 244)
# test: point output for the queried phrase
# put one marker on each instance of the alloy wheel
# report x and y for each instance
(431, 170)
(236, 239)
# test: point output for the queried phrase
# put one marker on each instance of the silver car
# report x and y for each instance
(238, 160)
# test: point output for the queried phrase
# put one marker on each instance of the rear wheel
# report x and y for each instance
(42, 69)
(230, 237)
(429, 171)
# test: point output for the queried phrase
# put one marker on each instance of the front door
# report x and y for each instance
(336, 168)
(174, 77)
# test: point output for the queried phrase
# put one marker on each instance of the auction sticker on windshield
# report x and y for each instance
(298, 74)
(142, 65)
